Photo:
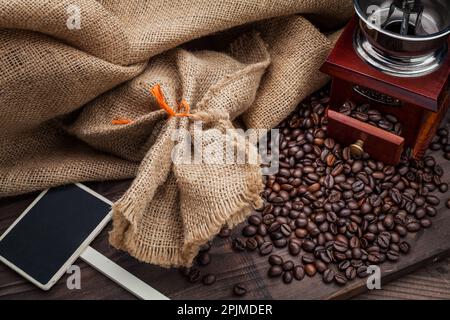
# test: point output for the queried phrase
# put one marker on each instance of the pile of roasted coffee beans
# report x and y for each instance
(331, 213)
(441, 142)
(371, 116)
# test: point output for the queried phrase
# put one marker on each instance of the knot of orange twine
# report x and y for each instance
(159, 96)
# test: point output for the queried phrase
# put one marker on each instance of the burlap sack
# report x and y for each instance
(60, 88)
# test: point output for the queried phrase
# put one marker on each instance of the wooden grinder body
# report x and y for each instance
(418, 103)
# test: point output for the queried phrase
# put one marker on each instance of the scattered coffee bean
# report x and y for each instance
(340, 279)
(299, 273)
(251, 244)
(362, 271)
(287, 277)
(239, 244)
(310, 270)
(275, 271)
(209, 279)
(249, 231)
(266, 248)
(224, 232)
(328, 276)
(203, 258)
(239, 290)
(404, 247)
(275, 260)
(350, 273)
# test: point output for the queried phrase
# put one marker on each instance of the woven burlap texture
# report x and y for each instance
(60, 88)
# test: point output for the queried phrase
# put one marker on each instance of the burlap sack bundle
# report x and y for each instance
(60, 89)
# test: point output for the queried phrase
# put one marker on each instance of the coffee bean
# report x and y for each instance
(310, 270)
(239, 290)
(433, 200)
(447, 204)
(357, 166)
(209, 279)
(447, 155)
(294, 248)
(285, 230)
(280, 243)
(205, 247)
(374, 257)
(435, 146)
(413, 226)
(340, 279)
(443, 187)
(392, 255)
(328, 276)
(239, 244)
(275, 271)
(262, 230)
(308, 245)
(384, 239)
(254, 220)
(362, 271)
(374, 115)
(385, 125)
(320, 266)
(358, 186)
(328, 182)
(266, 248)
(251, 244)
(350, 273)
(404, 247)
(298, 273)
(287, 277)
(361, 116)
(340, 246)
(391, 118)
(275, 260)
(442, 132)
(308, 258)
(343, 265)
(249, 231)
(224, 232)
(288, 265)
(425, 223)
(203, 258)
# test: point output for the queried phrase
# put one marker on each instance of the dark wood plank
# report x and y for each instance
(230, 267)
(430, 282)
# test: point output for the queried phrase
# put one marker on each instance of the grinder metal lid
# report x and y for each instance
(434, 21)
(405, 38)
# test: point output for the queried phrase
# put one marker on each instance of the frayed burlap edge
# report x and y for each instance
(237, 210)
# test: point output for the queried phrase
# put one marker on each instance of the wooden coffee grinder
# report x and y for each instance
(394, 56)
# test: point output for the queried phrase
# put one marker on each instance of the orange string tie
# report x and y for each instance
(183, 105)
(159, 96)
(121, 121)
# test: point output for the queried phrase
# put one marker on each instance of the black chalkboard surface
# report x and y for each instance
(52, 230)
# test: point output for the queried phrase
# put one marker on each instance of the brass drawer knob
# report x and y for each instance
(357, 148)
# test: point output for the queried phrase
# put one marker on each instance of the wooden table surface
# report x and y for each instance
(430, 279)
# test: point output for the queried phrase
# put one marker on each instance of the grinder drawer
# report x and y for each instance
(380, 144)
